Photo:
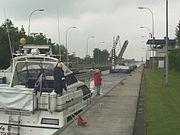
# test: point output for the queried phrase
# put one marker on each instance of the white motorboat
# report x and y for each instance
(120, 68)
(22, 111)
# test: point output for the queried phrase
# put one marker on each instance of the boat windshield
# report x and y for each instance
(30, 70)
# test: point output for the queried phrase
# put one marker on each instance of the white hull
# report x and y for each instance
(23, 112)
(120, 69)
(41, 120)
(31, 123)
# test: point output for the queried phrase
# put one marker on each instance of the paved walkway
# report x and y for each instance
(115, 113)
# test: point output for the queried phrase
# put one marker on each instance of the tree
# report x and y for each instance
(100, 57)
(60, 51)
(40, 39)
(105, 56)
(88, 59)
(96, 55)
(15, 35)
(72, 57)
(178, 33)
(174, 59)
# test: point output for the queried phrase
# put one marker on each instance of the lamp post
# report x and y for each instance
(152, 31)
(146, 47)
(67, 43)
(30, 19)
(60, 56)
(147, 53)
(167, 65)
(144, 27)
(150, 35)
(87, 43)
(99, 49)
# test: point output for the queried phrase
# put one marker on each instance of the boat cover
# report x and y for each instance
(17, 99)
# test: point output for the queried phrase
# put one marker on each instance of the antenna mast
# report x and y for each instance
(9, 39)
(59, 34)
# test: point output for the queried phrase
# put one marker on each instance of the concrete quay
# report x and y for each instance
(114, 113)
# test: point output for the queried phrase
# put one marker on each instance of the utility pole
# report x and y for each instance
(167, 65)
(153, 37)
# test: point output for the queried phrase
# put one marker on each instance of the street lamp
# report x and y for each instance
(30, 19)
(167, 64)
(99, 49)
(67, 43)
(146, 47)
(101, 43)
(144, 27)
(145, 53)
(144, 37)
(152, 30)
(87, 43)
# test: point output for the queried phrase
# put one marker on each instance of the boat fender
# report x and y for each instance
(80, 121)
(52, 102)
(92, 86)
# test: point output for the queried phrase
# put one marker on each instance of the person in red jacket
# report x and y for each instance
(97, 81)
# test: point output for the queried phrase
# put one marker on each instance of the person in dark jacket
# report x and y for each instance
(59, 79)
(97, 81)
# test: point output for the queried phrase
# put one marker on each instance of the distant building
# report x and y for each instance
(159, 47)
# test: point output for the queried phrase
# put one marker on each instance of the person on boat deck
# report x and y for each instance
(97, 81)
(59, 79)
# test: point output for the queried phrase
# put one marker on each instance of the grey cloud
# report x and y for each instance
(20, 9)
(101, 18)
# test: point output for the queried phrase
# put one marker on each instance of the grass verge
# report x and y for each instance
(162, 103)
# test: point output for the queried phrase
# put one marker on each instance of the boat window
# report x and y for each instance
(52, 60)
(35, 59)
(86, 91)
(21, 59)
(70, 79)
(30, 70)
(50, 121)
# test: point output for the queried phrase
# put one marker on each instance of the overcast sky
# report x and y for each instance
(100, 18)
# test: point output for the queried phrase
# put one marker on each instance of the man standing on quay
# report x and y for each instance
(97, 81)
